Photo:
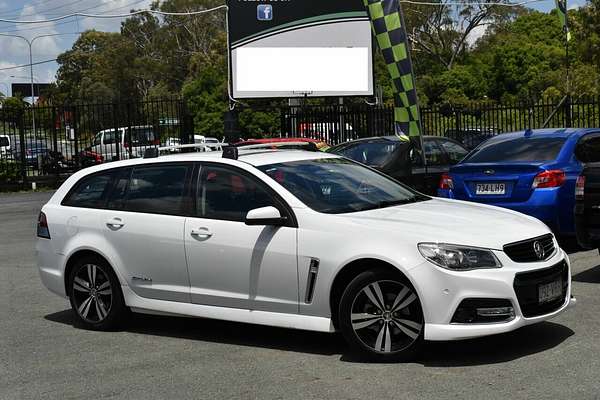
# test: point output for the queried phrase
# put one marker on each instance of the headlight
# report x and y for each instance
(458, 258)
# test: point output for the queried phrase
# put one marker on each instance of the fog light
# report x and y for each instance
(483, 311)
(493, 312)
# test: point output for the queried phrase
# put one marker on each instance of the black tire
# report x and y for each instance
(99, 305)
(389, 333)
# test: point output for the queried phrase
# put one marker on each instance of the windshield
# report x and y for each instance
(337, 185)
(517, 150)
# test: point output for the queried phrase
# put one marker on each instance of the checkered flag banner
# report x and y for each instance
(388, 27)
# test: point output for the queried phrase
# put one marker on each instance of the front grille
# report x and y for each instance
(527, 285)
(524, 251)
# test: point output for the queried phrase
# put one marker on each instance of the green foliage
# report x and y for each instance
(10, 172)
(521, 56)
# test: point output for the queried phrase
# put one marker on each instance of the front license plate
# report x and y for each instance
(549, 291)
(490, 188)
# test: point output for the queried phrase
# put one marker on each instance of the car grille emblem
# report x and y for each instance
(539, 250)
(489, 172)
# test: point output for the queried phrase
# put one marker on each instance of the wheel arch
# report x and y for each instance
(352, 269)
(77, 255)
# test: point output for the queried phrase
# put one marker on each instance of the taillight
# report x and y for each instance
(42, 227)
(549, 179)
(580, 187)
(446, 182)
(126, 145)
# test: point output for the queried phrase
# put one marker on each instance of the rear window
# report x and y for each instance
(372, 154)
(517, 150)
(90, 192)
(4, 141)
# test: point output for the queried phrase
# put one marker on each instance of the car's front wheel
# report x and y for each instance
(95, 294)
(380, 316)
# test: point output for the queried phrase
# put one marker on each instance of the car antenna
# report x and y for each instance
(528, 132)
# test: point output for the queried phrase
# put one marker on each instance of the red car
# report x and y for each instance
(280, 142)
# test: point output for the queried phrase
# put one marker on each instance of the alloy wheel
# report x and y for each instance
(92, 293)
(387, 316)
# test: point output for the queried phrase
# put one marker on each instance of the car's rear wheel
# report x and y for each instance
(95, 294)
(380, 316)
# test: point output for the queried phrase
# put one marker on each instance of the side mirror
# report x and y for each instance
(265, 216)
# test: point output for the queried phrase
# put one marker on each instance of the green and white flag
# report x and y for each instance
(561, 10)
(388, 27)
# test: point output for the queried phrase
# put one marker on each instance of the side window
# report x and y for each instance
(228, 195)
(90, 192)
(454, 151)
(98, 139)
(433, 152)
(588, 150)
(157, 190)
(116, 198)
(109, 137)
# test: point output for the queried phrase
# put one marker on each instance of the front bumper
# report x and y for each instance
(444, 290)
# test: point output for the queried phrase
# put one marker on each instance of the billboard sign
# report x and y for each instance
(24, 89)
(297, 48)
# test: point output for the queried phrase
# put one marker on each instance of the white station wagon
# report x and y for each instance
(295, 239)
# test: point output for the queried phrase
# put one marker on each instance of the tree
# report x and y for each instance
(442, 32)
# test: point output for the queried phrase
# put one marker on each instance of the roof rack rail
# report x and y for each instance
(154, 152)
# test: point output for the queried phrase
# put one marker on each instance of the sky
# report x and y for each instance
(14, 51)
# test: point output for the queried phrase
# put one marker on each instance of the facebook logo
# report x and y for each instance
(264, 12)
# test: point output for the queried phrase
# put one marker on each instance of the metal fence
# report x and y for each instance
(47, 143)
(341, 123)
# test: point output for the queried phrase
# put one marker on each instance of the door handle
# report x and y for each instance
(201, 233)
(115, 223)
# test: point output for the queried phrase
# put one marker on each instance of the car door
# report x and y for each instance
(426, 178)
(144, 224)
(230, 263)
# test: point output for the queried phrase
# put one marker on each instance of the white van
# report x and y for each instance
(110, 144)
(5, 149)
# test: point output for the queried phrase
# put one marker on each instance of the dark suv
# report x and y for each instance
(400, 159)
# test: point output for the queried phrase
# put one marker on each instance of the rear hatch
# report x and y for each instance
(504, 168)
(587, 207)
(495, 182)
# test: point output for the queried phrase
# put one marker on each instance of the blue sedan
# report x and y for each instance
(533, 172)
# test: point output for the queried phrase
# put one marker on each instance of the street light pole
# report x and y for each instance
(30, 44)
(5, 84)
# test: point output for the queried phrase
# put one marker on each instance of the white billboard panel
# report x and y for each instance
(301, 51)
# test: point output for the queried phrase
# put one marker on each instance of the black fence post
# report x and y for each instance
(21, 120)
(75, 130)
(127, 138)
(186, 124)
(115, 125)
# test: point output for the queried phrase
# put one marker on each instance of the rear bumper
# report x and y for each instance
(49, 263)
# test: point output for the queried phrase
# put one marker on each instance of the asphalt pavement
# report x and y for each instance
(44, 355)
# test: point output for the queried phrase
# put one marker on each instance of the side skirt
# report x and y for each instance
(162, 307)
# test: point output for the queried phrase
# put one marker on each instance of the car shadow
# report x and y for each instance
(591, 275)
(489, 350)
(496, 349)
(209, 330)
